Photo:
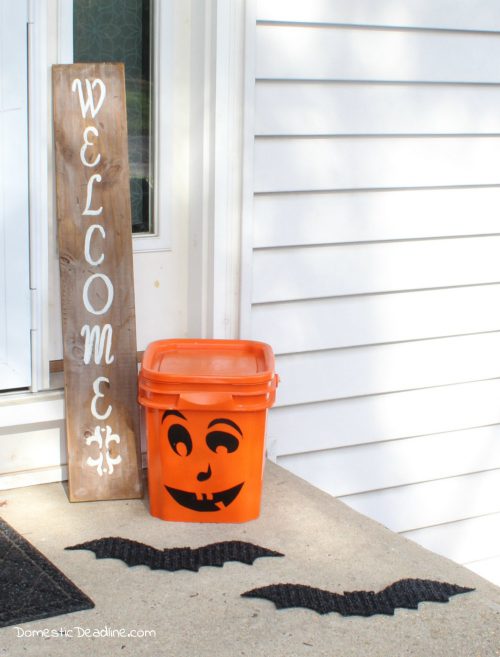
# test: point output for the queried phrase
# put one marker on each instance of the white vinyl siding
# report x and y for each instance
(431, 502)
(375, 271)
(369, 370)
(294, 164)
(298, 273)
(468, 15)
(387, 464)
(350, 321)
(374, 215)
(355, 108)
(382, 417)
(461, 540)
(398, 55)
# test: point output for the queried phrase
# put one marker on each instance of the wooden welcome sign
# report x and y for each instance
(97, 286)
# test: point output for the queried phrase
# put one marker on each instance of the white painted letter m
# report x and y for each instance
(96, 342)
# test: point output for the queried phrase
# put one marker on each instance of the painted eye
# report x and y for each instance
(222, 442)
(180, 440)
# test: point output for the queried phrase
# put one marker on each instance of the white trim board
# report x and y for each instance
(33, 477)
(31, 408)
(38, 118)
(217, 138)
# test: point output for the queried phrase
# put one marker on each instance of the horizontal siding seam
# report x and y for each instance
(31, 427)
(369, 294)
(382, 344)
(394, 240)
(478, 561)
(450, 522)
(363, 81)
(29, 471)
(376, 135)
(418, 483)
(262, 22)
(359, 190)
(386, 441)
(374, 294)
(385, 392)
(369, 345)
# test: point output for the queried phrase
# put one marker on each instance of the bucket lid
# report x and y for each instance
(204, 361)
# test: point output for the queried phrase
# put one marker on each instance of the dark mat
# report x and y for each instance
(31, 587)
(405, 593)
(134, 553)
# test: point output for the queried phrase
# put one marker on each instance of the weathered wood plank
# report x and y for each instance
(97, 288)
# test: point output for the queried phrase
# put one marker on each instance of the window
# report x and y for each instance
(121, 31)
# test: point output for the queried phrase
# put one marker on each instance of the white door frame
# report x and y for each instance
(221, 151)
(15, 302)
(38, 120)
(211, 156)
(220, 167)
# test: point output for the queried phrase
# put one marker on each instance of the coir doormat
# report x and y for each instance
(31, 587)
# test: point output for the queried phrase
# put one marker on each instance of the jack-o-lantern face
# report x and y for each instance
(204, 459)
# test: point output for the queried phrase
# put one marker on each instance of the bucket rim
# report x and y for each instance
(154, 351)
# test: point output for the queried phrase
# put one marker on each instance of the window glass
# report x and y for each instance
(120, 31)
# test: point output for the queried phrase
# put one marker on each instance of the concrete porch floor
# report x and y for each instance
(326, 545)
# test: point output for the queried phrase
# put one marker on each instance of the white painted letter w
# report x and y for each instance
(89, 104)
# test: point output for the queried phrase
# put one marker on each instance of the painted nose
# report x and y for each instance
(203, 476)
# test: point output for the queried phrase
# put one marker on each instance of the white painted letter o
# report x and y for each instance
(110, 289)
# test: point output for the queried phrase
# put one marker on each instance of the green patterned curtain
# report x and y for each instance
(120, 31)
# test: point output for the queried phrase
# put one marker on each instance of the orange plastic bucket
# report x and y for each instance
(206, 405)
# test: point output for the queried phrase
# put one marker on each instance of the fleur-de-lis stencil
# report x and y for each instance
(104, 455)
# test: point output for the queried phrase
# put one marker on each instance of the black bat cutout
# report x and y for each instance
(405, 593)
(134, 553)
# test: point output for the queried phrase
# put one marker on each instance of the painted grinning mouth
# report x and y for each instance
(191, 501)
